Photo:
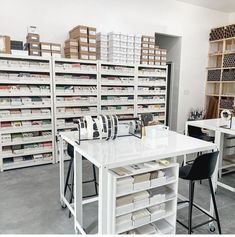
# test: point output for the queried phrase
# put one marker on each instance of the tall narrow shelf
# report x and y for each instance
(75, 91)
(26, 112)
(117, 89)
(152, 91)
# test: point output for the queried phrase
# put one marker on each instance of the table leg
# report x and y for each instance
(218, 141)
(221, 153)
(78, 210)
(103, 202)
(186, 133)
(61, 159)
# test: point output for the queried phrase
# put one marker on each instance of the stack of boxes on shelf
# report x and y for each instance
(102, 46)
(119, 48)
(150, 53)
(81, 43)
(5, 44)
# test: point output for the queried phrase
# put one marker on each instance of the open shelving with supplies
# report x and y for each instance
(26, 112)
(143, 198)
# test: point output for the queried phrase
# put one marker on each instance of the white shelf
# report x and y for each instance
(26, 163)
(148, 205)
(27, 64)
(168, 214)
(27, 152)
(25, 117)
(116, 84)
(74, 104)
(27, 106)
(115, 73)
(151, 110)
(61, 93)
(75, 115)
(65, 126)
(110, 102)
(75, 82)
(75, 71)
(150, 102)
(152, 75)
(117, 93)
(151, 93)
(24, 69)
(29, 81)
(21, 94)
(152, 84)
(33, 128)
(30, 140)
(108, 112)
(143, 189)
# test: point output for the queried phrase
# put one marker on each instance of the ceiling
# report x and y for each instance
(219, 5)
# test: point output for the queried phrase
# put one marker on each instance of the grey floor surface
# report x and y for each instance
(29, 204)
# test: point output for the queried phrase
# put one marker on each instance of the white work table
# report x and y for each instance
(117, 153)
(215, 125)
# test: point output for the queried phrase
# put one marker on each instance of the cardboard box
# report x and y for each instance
(35, 52)
(34, 45)
(45, 46)
(82, 39)
(152, 46)
(71, 43)
(32, 38)
(92, 48)
(92, 40)
(71, 55)
(73, 50)
(5, 44)
(92, 56)
(144, 57)
(145, 39)
(78, 31)
(45, 53)
(84, 56)
(144, 45)
(152, 39)
(83, 48)
(92, 31)
(56, 47)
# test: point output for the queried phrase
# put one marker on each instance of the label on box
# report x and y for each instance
(145, 45)
(45, 46)
(83, 48)
(83, 56)
(145, 39)
(145, 51)
(151, 57)
(55, 47)
(83, 40)
(151, 46)
(92, 56)
(151, 51)
(92, 41)
(92, 49)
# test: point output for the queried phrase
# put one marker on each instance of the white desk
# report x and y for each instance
(111, 154)
(214, 125)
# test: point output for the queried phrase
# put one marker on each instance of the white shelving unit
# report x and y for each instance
(152, 91)
(75, 92)
(26, 112)
(137, 206)
(117, 87)
(70, 89)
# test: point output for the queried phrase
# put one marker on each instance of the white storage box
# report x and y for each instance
(158, 181)
(114, 36)
(157, 214)
(101, 37)
(161, 197)
(123, 38)
(141, 203)
(124, 208)
(142, 185)
(141, 217)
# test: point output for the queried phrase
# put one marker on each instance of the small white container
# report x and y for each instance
(158, 181)
(156, 131)
(125, 208)
(141, 203)
(122, 226)
(141, 221)
(157, 198)
(142, 185)
(157, 214)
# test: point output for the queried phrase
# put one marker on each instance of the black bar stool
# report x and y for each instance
(202, 168)
(69, 183)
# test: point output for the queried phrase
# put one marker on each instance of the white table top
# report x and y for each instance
(132, 150)
(213, 124)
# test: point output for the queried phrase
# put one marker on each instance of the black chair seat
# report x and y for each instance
(184, 171)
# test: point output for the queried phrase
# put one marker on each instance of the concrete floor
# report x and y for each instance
(29, 204)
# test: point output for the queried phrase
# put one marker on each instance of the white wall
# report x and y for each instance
(55, 17)
(232, 18)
